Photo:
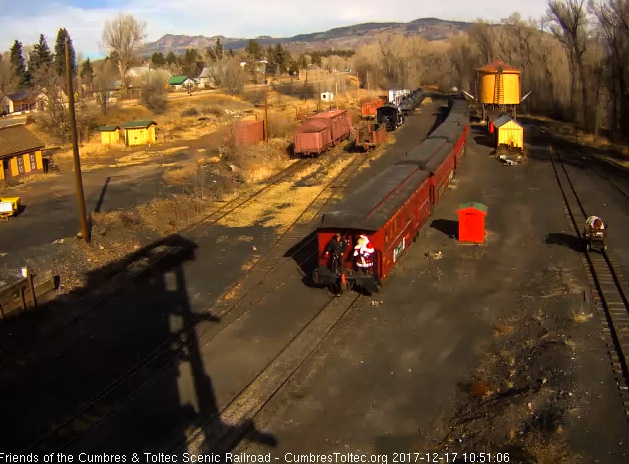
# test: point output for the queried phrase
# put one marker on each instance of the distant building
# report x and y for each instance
(181, 83)
(24, 100)
(327, 96)
(20, 152)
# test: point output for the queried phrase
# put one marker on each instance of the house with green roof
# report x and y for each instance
(181, 82)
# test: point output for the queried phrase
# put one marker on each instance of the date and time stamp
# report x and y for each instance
(245, 458)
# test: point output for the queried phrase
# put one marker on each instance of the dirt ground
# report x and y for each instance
(467, 349)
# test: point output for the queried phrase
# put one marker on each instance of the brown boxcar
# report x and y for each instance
(249, 132)
(312, 138)
(339, 121)
(369, 109)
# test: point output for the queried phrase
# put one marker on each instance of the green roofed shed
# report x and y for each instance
(139, 132)
(177, 80)
(474, 205)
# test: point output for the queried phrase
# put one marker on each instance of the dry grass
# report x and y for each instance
(181, 175)
(579, 318)
(501, 329)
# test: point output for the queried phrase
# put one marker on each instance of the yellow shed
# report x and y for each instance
(20, 152)
(109, 134)
(139, 132)
(509, 132)
(499, 84)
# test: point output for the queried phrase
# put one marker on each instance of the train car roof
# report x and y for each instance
(436, 161)
(450, 131)
(373, 204)
(423, 153)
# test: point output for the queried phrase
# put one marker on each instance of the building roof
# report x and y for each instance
(504, 119)
(21, 95)
(498, 65)
(137, 124)
(108, 128)
(177, 80)
(17, 139)
(474, 205)
(373, 204)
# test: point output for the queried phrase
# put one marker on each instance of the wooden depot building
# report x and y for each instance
(20, 152)
(139, 132)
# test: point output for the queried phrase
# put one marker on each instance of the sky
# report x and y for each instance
(84, 19)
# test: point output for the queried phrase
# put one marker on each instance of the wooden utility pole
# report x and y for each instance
(266, 114)
(75, 149)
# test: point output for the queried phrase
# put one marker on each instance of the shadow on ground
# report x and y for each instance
(99, 349)
(447, 227)
(566, 240)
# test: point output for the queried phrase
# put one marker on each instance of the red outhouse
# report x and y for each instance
(472, 222)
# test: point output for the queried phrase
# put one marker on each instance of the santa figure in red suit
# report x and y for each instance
(363, 251)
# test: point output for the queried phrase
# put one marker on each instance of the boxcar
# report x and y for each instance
(340, 123)
(312, 138)
(390, 209)
(369, 109)
(454, 133)
(424, 152)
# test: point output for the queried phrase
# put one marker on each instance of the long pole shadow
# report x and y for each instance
(101, 198)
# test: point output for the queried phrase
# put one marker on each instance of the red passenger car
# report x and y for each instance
(389, 209)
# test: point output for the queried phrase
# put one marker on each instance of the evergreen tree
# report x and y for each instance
(253, 50)
(60, 54)
(171, 58)
(315, 57)
(40, 56)
(271, 65)
(87, 71)
(17, 64)
(158, 59)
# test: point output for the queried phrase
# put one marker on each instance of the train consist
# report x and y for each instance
(321, 132)
(387, 213)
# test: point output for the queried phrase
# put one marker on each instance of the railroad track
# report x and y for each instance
(193, 231)
(602, 275)
(268, 273)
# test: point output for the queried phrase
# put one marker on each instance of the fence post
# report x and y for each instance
(31, 287)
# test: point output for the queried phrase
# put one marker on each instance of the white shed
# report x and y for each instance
(327, 96)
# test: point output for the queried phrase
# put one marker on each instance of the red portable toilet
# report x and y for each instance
(472, 222)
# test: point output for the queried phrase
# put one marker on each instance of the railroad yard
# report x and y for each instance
(224, 344)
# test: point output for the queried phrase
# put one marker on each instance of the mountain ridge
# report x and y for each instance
(343, 37)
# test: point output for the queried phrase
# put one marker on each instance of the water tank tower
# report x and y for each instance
(498, 87)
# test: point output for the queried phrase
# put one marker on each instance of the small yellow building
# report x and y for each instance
(508, 132)
(109, 134)
(139, 132)
(20, 152)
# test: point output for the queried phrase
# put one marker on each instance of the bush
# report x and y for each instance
(153, 92)
(189, 112)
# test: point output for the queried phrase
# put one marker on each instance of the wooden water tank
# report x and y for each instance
(498, 84)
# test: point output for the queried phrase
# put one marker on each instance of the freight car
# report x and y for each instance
(390, 116)
(321, 132)
(369, 109)
(390, 209)
(370, 135)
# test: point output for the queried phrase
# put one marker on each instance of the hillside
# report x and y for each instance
(341, 37)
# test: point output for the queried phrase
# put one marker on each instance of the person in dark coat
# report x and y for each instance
(336, 249)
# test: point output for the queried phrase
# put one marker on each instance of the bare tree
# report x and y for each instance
(123, 36)
(53, 116)
(104, 78)
(569, 24)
